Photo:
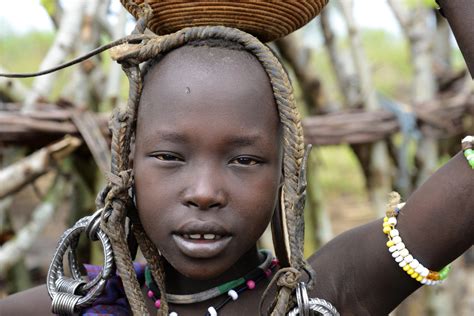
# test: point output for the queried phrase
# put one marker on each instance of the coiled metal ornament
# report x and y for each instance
(311, 306)
(70, 294)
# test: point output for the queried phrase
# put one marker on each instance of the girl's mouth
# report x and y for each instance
(201, 245)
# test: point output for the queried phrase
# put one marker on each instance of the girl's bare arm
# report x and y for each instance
(356, 272)
(35, 301)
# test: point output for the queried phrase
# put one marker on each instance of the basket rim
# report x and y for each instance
(267, 20)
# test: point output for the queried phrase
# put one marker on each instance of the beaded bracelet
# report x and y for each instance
(403, 257)
(467, 146)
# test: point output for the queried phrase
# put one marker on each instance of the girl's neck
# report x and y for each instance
(177, 283)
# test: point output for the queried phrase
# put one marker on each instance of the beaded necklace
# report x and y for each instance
(232, 288)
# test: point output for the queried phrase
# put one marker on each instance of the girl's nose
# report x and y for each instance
(205, 192)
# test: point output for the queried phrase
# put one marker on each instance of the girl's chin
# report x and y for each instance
(195, 268)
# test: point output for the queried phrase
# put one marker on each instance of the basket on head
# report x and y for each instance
(267, 20)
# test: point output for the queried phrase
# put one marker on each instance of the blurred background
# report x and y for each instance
(384, 90)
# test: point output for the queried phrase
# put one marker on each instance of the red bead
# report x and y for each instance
(268, 273)
(250, 284)
(275, 262)
(150, 294)
(157, 303)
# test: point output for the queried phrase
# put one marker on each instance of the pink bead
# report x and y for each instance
(157, 303)
(268, 273)
(275, 262)
(250, 284)
(150, 294)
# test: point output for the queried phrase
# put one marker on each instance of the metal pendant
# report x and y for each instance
(72, 293)
(311, 306)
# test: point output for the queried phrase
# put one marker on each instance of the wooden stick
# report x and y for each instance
(14, 249)
(19, 174)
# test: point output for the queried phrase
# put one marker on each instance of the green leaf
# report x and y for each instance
(418, 3)
(50, 6)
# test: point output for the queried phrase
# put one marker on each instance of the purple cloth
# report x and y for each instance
(113, 301)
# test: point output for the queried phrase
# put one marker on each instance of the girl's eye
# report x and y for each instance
(246, 161)
(167, 157)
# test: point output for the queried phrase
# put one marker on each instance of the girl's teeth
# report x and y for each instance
(209, 236)
(202, 236)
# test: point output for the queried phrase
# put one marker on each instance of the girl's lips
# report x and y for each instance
(200, 248)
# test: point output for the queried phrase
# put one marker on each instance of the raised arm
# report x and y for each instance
(459, 14)
(356, 272)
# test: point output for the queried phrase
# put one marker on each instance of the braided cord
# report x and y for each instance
(153, 258)
(116, 200)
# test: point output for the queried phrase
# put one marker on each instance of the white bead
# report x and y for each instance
(399, 259)
(402, 263)
(392, 221)
(468, 139)
(233, 294)
(394, 232)
(409, 259)
(392, 249)
(397, 240)
(400, 246)
(395, 254)
(404, 252)
(212, 311)
(425, 272)
(423, 281)
(414, 264)
(173, 314)
(419, 269)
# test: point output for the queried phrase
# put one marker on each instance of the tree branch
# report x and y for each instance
(65, 39)
(14, 249)
(16, 176)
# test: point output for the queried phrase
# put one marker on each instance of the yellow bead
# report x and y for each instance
(387, 229)
(414, 275)
(419, 278)
(410, 271)
(406, 268)
(385, 219)
(390, 243)
(386, 224)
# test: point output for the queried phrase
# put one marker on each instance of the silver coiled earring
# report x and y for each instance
(70, 294)
(308, 305)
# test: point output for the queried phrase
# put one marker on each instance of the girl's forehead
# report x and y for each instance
(203, 78)
(208, 85)
(207, 63)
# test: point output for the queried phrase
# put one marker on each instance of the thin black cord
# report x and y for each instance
(133, 39)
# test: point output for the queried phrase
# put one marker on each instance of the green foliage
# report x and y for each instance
(387, 54)
(50, 6)
(417, 3)
(24, 53)
(339, 171)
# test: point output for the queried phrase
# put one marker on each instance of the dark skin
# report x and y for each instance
(354, 271)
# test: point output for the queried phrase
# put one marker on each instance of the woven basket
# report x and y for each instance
(267, 20)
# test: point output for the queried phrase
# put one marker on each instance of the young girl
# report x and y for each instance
(218, 154)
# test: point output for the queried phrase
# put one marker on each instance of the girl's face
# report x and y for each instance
(207, 158)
